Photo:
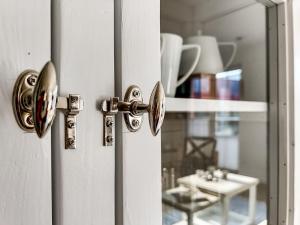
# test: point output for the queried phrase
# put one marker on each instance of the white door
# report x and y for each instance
(25, 162)
(101, 48)
(138, 154)
(41, 182)
(222, 155)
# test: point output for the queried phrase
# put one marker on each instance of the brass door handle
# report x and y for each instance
(134, 108)
(35, 101)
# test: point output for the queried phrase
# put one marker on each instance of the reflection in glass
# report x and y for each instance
(214, 162)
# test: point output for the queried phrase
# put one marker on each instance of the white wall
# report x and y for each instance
(251, 56)
(253, 138)
(247, 25)
(175, 17)
(205, 10)
(177, 11)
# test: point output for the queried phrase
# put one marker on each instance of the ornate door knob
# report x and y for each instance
(134, 108)
(35, 101)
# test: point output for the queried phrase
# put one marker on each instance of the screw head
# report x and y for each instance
(135, 123)
(74, 99)
(109, 139)
(71, 141)
(71, 124)
(31, 80)
(109, 123)
(29, 120)
(136, 93)
(27, 100)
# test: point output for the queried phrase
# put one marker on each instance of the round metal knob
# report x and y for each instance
(156, 108)
(44, 99)
(34, 99)
(35, 102)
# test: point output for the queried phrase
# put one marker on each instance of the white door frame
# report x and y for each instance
(281, 112)
(296, 41)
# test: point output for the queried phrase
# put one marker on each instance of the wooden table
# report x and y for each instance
(226, 189)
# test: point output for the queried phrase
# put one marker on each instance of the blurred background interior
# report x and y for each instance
(214, 154)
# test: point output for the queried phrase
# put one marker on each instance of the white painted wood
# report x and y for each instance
(290, 76)
(285, 112)
(25, 161)
(296, 27)
(273, 116)
(290, 118)
(207, 105)
(83, 43)
(233, 185)
(225, 204)
(135, 45)
(138, 154)
(251, 46)
(252, 204)
(253, 152)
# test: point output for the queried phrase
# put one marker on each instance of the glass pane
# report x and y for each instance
(215, 135)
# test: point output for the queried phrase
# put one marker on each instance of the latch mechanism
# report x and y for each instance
(71, 106)
(133, 109)
(109, 109)
(35, 102)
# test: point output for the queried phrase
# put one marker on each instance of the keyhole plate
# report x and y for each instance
(22, 99)
(133, 122)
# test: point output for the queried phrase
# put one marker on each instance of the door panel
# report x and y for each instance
(237, 123)
(25, 162)
(138, 154)
(83, 55)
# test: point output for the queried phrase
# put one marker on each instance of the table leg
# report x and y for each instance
(190, 218)
(252, 204)
(225, 210)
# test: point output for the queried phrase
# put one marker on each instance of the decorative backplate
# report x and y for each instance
(22, 99)
(133, 122)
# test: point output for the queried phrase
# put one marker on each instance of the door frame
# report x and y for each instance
(281, 113)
